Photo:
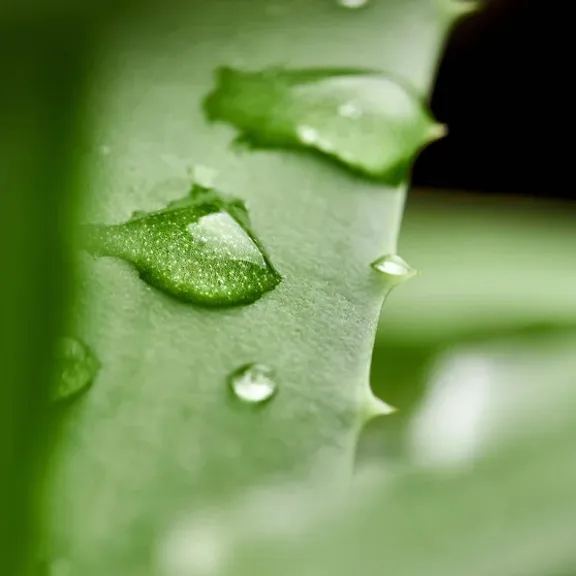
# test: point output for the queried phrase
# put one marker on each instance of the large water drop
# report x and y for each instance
(253, 383)
(199, 248)
(367, 120)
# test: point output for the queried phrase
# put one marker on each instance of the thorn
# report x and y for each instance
(436, 131)
(460, 8)
(375, 407)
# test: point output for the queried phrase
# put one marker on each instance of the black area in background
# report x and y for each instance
(502, 101)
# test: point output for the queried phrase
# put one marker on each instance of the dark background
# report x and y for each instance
(504, 103)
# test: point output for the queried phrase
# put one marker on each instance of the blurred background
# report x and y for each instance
(496, 91)
(498, 289)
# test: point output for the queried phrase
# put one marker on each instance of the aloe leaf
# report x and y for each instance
(492, 498)
(158, 434)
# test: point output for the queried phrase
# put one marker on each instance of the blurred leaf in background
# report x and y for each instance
(41, 71)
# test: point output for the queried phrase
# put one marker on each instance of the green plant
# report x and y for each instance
(158, 434)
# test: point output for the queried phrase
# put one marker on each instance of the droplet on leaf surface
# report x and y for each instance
(394, 268)
(76, 368)
(253, 383)
(364, 119)
(199, 249)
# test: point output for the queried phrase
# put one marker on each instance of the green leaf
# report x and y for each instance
(504, 506)
(199, 249)
(158, 435)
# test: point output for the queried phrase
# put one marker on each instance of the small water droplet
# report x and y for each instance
(199, 248)
(253, 383)
(105, 150)
(394, 267)
(352, 3)
(76, 368)
(367, 120)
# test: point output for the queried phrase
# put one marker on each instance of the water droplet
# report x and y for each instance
(394, 267)
(253, 383)
(365, 119)
(352, 3)
(105, 150)
(199, 248)
(76, 368)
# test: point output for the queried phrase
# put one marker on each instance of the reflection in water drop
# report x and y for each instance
(367, 120)
(220, 236)
(76, 368)
(253, 383)
(199, 249)
(394, 268)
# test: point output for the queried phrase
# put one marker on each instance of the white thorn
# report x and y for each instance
(374, 407)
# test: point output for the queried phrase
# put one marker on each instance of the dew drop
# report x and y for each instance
(394, 268)
(253, 383)
(367, 120)
(76, 368)
(199, 249)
